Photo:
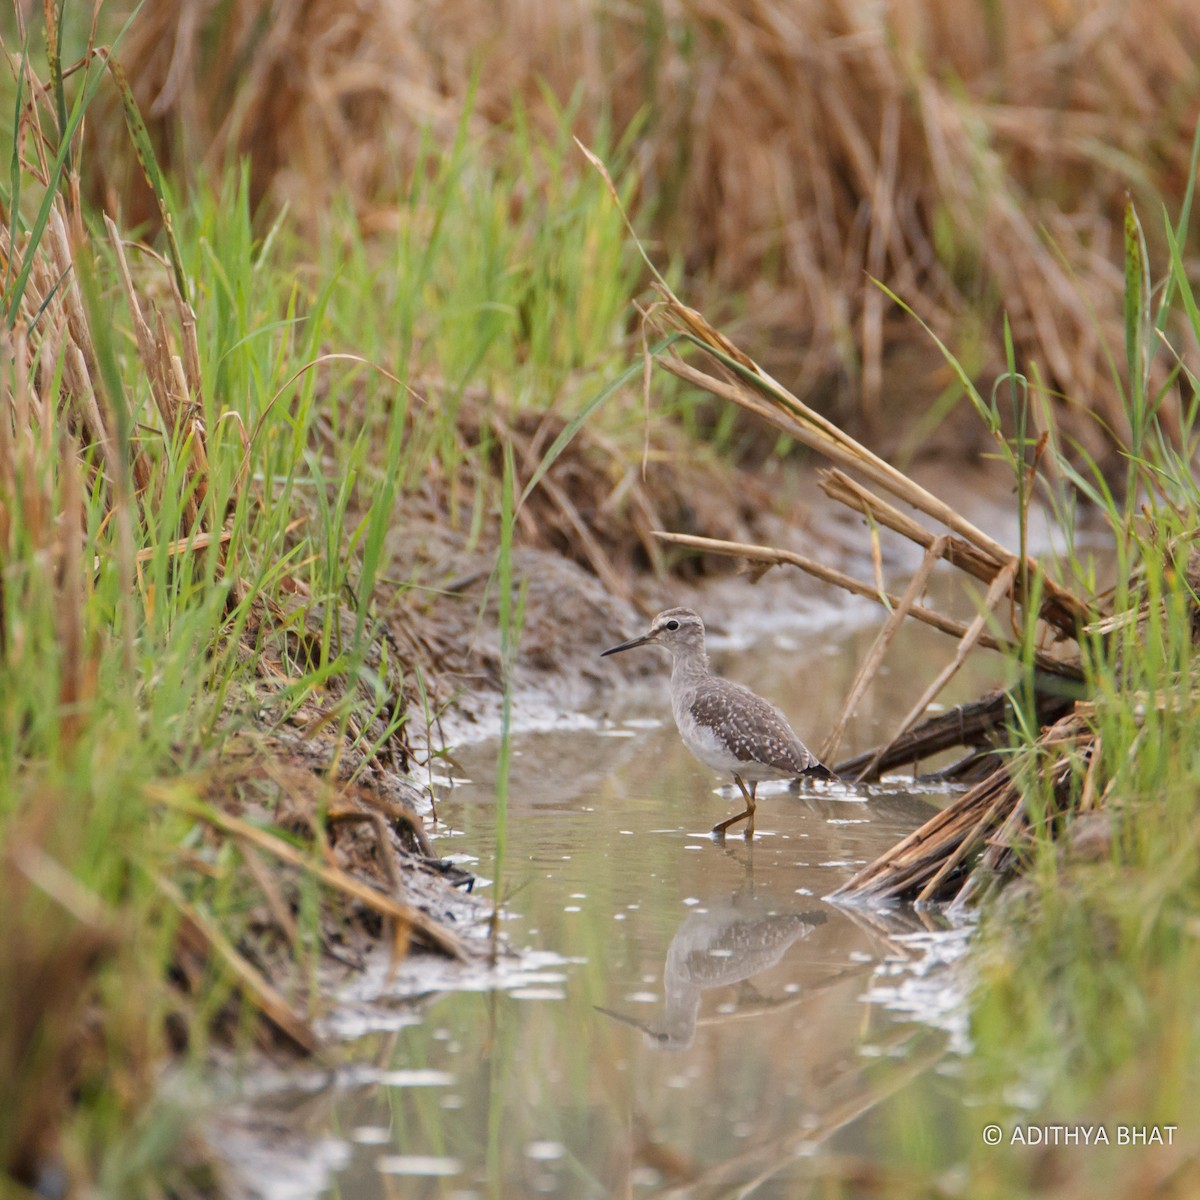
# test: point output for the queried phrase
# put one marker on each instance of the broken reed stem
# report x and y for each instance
(932, 853)
(992, 813)
(978, 834)
(332, 876)
(777, 406)
(1059, 608)
(971, 725)
(1001, 586)
(884, 639)
(936, 620)
(1001, 840)
(893, 870)
(180, 546)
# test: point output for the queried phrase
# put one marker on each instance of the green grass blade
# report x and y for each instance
(54, 36)
(144, 149)
(573, 426)
(1137, 292)
(15, 165)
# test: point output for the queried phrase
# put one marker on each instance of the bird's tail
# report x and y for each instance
(821, 771)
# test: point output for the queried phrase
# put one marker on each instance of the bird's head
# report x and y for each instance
(678, 630)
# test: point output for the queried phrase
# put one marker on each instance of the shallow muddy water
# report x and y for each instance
(693, 1018)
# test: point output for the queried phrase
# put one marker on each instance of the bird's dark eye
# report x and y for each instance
(672, 625)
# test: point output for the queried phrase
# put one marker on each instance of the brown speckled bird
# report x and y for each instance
(726, 726)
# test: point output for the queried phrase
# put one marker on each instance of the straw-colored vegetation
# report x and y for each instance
(249, 490)
(975, 157)
(192, 720)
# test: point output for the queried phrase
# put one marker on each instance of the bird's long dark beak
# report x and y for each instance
(638, 641)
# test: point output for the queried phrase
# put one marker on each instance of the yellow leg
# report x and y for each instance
(748, 795)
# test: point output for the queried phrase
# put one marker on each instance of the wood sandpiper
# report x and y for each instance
(726, 726)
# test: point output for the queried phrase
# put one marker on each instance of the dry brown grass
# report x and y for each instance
(972, 156)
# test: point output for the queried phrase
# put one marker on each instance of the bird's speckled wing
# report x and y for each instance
(754, 730)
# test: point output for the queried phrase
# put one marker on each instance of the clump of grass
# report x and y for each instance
(190, 711)
(1083, 1005)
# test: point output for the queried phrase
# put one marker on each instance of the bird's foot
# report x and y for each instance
(719, 829)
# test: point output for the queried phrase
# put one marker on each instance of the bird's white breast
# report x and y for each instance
(704, 743)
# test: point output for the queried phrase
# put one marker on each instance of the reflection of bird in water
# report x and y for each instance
(728, 944)
(726, 726)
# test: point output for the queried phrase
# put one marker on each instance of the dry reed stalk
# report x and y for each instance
(206, 937)
(927, 862)
(774, 404)
(915, 858)
(979, 726)
(175, 396)
(747, 385)
(930, 863)
(63, 334)
(969, 842)
(58, 411)
(341, 881)
(874, 658)
(1000, 588)
(1059, 608)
